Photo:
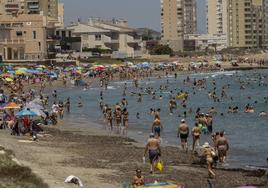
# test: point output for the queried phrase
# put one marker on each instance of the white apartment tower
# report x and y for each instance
(172, 24)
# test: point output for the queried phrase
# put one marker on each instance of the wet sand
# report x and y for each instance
(101, 161)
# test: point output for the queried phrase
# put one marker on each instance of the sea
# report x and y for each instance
(247, 133)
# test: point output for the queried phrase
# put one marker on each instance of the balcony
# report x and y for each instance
(12, 41)
(33, 7)
(53, 38)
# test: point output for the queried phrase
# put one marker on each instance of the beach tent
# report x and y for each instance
(12, 105)
(26, 112)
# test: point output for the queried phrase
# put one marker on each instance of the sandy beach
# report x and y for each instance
(100, 160)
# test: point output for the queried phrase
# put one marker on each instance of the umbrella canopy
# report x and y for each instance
(38, 112)
(9, 79)
(6, 75)
(20, 72)
(33, 71)
(26, 112)
(160, 185)
(3, 65)
(33, 105)
(2, 106)
(12, 105)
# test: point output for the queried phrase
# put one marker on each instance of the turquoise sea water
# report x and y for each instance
(247, 133)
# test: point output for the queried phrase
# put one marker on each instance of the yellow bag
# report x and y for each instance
(159, 166)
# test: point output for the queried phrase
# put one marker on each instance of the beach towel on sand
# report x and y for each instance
(74, 179)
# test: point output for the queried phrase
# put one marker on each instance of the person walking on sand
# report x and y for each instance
(209, 154)
(196, 132)
(154, 151)
(157, 127)
(222, 147)
(183, 133)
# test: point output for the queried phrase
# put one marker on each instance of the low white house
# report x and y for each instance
(203, 41)
(111, 35)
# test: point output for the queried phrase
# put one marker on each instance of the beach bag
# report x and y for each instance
(159, 166)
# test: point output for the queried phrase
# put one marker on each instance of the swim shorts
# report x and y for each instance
(153, 155)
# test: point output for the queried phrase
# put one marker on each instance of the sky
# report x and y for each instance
(139, 13)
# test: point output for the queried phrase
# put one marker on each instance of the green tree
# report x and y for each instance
(161, 50)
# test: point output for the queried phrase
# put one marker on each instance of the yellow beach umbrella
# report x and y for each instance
(9, 79)
(20, 72)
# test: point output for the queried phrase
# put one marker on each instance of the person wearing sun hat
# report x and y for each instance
(209, 154)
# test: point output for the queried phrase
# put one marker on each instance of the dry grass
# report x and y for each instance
(13, 175)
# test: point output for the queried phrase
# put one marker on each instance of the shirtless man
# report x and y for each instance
(157, 127)
(196, 132)
(222, 147)
(154, 151)
(183, 133)
(138, 179)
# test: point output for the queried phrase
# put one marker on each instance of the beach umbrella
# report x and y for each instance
(2, 106)
(38, 112)
(33, 71)
(26, 112)
(41, 66)
(20, 72)
(9, 79)
(12, 105)
(37, 101)
(33, 105)
(3, 65)
(21, 68)
(99, 68)
(7, 75)
(11, 72)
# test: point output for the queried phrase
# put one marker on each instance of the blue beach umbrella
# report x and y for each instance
(26, 112)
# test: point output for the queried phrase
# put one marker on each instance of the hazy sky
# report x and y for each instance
(139, 13)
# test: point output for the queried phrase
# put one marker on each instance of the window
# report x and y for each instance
(19, 33)
(39, 45)
(98, 37)
(34, 34)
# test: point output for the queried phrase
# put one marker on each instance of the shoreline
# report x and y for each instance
(99, 159)
(104, 159)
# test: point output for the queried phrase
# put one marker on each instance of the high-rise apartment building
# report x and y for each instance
(8, 7)
(172, 23)
(247, 23)
(41, 7)
(190, 20)
(60, 15)
(217, 16)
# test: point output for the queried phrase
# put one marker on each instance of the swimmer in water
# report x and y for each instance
(80, 102)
